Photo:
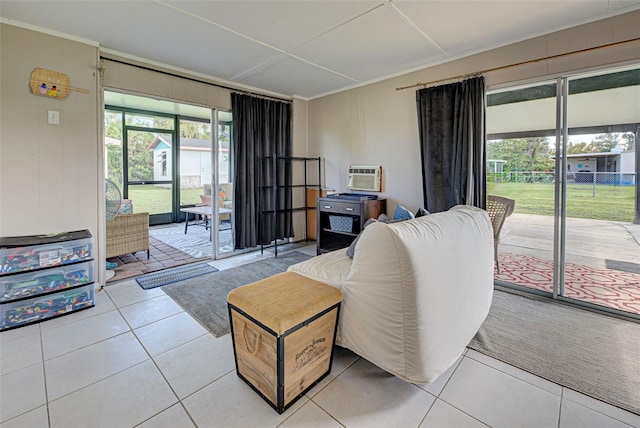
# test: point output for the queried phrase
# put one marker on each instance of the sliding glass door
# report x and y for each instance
(174, 163)
(196, 171)
(600, 240)
(224, 178)
(565, 150)
(520, 147)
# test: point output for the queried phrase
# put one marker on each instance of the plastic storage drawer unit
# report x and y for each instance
(28, 284)
(26, 311)
(45, 276)
(24, 253)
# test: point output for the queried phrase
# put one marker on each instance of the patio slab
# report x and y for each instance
(589, 242)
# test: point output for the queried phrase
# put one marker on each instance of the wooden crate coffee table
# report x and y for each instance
(283, 330)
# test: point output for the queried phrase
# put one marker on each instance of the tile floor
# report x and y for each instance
(137, 359)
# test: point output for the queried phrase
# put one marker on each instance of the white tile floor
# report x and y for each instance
(137, 359)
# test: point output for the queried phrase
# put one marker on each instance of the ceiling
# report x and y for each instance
(304, 48)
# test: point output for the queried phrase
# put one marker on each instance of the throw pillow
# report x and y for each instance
(352, 248)
(402, 213)
(422, 212)
(384, 218)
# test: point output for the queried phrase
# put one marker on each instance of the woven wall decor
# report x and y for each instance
(51, 84)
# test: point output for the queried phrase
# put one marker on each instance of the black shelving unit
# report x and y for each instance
(277, 187)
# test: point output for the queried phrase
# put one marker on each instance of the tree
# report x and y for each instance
(197, 130)
(140, 156)
(603, 143)
(113, 132)
(629, 139)
(522, 154)
(575, 148)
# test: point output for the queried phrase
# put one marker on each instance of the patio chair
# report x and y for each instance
(206, 200)
(498, 208)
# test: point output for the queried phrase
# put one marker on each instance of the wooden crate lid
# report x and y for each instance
(284, 300)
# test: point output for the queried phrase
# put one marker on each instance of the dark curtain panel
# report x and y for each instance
(451, 120)
(262, 189)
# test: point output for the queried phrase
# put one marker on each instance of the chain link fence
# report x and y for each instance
(593, 178)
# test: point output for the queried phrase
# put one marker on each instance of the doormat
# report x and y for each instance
(169, 276)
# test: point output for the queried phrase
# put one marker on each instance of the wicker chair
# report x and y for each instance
(498, 208)
(128, 233)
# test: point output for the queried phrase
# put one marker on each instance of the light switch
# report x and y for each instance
(53, 117)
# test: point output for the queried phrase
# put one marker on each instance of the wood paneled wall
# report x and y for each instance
(49, 174)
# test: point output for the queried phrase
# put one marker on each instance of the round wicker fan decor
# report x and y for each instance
(51, 84)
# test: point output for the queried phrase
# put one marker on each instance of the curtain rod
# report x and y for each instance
(195, 80)
(531, 61)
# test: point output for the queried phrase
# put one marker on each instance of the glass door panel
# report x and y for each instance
(113, 146)
(149, 160)
(224, 178)
(195, 162)
(520, 166)
(601, 255)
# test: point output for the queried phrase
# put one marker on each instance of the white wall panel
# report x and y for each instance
(48, 173)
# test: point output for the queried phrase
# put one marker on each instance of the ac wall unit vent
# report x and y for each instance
(365, 177)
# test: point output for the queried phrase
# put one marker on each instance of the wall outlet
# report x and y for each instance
(53, 117)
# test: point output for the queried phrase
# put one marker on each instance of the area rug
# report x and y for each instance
(608, 287)
(196, 242)
(591, 353)
(169, 276)
(205, 297)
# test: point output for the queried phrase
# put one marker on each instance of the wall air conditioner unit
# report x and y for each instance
(365, 177)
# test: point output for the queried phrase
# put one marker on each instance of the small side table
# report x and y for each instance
(283, 330)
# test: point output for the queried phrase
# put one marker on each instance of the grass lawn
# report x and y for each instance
(155, 200)
(610, 202)
(615, 203)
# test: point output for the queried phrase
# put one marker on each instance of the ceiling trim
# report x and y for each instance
(113, 55)
(49, 32)
(517, 64)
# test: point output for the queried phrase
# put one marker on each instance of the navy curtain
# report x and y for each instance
(451, 120)
(262, 190)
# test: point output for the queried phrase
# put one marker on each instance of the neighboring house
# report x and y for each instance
(616, 167)
(495, 166)
(195, 161)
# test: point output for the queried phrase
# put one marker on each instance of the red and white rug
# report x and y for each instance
(612, 288)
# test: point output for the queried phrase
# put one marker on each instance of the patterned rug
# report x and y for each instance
(196, 242)
(169, 276)
(608, 287)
